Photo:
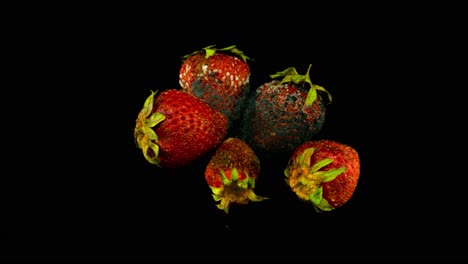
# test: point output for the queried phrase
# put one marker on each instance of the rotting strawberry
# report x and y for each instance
(280, 115)
(323, 172)
(175, 128)
(232, 173)
(219, 77)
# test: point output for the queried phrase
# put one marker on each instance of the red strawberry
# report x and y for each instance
(280, 115)
(219, 77)
(176, 128)
(232, 172)
(323, 172)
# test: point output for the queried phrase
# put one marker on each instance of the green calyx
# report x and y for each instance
(235, 191)
(211, 50)
(245, 183)
(305, 180)
(292, 76)
(144, 135)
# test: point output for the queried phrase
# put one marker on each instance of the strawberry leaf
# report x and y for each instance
(149, 133)
(255, 198)
(145, 137)
(320, 88)
(311, 97)
(324, 206)
(234, 50)
(155, 149)
(224, 179)
(234, 175)
(198, 51)
(211, 50)
(288, 71)
(320, 203)
(316, 196)
(147, 106)
(149, 100)
(154, 119)
(216, 197)
(320, 164)
(304, 158)
(330, 175)
(244, 183)
(216, 191)
(251, 182)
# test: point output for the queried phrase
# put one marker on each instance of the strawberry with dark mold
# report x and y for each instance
(232, 173)
(280, 115)
(219, 77)
(324, 173)
(174, 128)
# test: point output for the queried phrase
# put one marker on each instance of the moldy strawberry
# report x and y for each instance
(280, 115)
(219, 77)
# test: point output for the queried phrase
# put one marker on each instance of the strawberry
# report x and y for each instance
(232, 172)
(323, 172)
(176, 128)
(219, 77)
(282, 114)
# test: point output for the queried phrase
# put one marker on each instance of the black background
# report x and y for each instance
(92, 195)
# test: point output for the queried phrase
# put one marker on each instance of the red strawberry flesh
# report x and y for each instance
(175, 128)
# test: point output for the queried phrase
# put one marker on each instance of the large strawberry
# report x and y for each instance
(176, 128)
(232, 172)
(280, 115)
(219, 77)
(323, 172)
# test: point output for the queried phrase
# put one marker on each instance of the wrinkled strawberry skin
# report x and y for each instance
(277, 119)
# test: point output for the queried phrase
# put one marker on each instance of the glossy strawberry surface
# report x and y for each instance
(175, 128)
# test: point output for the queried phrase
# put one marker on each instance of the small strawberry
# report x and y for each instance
(176, 128)
(280, 115)
(323, 172)
(219, 77)
(232, 172)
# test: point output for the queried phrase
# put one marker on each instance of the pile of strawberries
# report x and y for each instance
(216, 111)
